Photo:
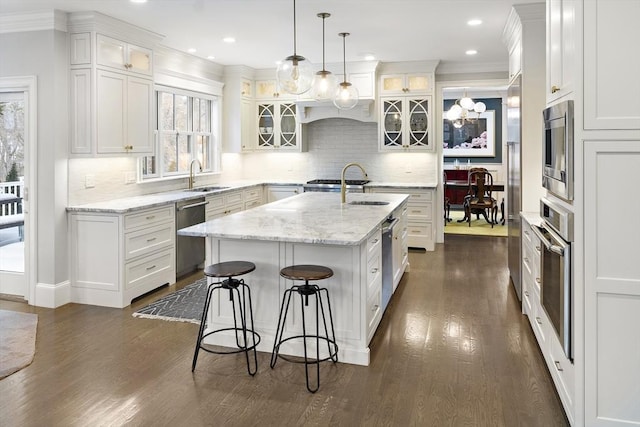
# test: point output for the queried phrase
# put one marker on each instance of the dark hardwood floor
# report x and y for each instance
(453, 349)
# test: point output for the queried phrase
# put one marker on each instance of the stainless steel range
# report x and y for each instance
(333, 185)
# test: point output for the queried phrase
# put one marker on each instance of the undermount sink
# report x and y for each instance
(368, 202)
(205, 189)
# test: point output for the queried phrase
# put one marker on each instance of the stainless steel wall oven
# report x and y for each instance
(556, 290)
(557, 150)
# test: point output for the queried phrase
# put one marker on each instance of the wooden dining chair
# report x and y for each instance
(479, 199)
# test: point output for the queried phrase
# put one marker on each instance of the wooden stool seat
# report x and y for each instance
(306, 272)
(229, 269)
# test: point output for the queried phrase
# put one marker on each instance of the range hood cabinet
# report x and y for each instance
(310, 111)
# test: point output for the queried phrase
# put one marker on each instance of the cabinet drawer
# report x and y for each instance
(150, 217)
(145, 241)
(374, 244)
(252, 194)
(539, 323)
(419, 212)
(215, 202)
(562, 371)
(374, 313)
(419, 230)
(252, 204)
(374, 275)
(232, 198)
(156, 269)
(421, 197)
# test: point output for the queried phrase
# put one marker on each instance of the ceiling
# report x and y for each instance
(390, 30)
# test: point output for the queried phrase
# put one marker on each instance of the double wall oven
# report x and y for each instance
(556, 290)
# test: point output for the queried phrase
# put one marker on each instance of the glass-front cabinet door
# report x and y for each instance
(288, 125)
(405, 123)
(266, 121)
(392, 123)
(418, 122)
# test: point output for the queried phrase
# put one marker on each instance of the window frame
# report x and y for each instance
(214, 146)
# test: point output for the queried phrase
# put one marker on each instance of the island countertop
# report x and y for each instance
(318, 218)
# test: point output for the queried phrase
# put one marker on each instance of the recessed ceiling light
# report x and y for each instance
(474, 22)
(191, 50)
(211, 57)
(471, 52)
(229, 39)
(369, 57)
(278, 62)
(138, 1)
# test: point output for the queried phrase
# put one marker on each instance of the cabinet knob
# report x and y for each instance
(128, 66)
(375, 307)
(128, 148)
(558, 366)
(539, 320)
(554, 89)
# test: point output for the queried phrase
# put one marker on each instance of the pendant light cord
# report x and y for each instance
(294, 28)
(344, 57)
(323, 17)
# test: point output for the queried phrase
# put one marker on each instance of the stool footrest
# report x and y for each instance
(240, 349)
(309, 361)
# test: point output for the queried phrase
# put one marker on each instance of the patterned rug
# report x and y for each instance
(479, 227)
(17, 341)
(184, 305)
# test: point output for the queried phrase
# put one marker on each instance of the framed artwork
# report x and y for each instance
(475, 138)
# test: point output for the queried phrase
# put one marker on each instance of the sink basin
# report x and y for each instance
(205, 189)
(368, 202)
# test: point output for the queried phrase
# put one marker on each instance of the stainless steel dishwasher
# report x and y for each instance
(190, 251)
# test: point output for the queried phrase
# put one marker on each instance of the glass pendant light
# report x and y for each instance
(324, 82)
(346, 95)
(295, 73)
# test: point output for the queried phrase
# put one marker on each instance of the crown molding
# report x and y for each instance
(33, 21)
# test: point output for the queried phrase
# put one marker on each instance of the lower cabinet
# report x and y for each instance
(561, 369)
(420, 227)
(118, 257)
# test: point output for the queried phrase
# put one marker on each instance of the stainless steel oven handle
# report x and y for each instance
(547, 243)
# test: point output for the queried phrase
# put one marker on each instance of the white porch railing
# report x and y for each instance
(15, 188)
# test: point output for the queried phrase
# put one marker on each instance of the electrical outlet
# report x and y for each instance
(129, 177)
(89, 181)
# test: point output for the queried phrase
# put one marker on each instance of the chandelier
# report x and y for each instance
(465, 109)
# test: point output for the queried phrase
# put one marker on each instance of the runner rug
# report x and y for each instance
(17, 341)
(184, 305)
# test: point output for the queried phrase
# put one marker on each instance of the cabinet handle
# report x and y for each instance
(151, 268)
(526, 293)
(374, 241)
(538, 320)
(554, 89)
(375, 307)
(151, 239)
(128, 147)
(526, 260)
(151, 216)
(526, 232)
(374, 270)
(558, 367)
(538, 248)
(538, 281)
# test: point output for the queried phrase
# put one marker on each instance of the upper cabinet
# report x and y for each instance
(111, 86)
(398, 84)
(269, 89)
(123, 56)
(560, 48)
(278, 126)
(405, 123)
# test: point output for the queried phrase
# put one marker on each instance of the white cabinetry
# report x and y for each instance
(111, 93)
(399, 84)
(117, 257)
(405, 123)
(373, 307)
(253, 196)
(560, 48)
(239, 112)
(224, 204)
(400, 244)
(278, 126)
(561, 369)
(419, 215)
(278, 192)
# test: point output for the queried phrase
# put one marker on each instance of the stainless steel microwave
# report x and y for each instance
(557, 150)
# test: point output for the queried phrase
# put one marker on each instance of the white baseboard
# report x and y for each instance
(52, 295)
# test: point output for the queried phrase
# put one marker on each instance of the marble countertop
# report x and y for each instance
(533, 218)
(318, 218)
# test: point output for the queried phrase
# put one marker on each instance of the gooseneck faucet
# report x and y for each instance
(191, 177)
(343, 186)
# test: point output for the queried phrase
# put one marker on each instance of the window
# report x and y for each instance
(186, 130)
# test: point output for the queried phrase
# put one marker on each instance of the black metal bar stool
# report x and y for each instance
(307, 273)
(229, 270)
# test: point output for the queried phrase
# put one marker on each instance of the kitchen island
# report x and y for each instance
(311, 228)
